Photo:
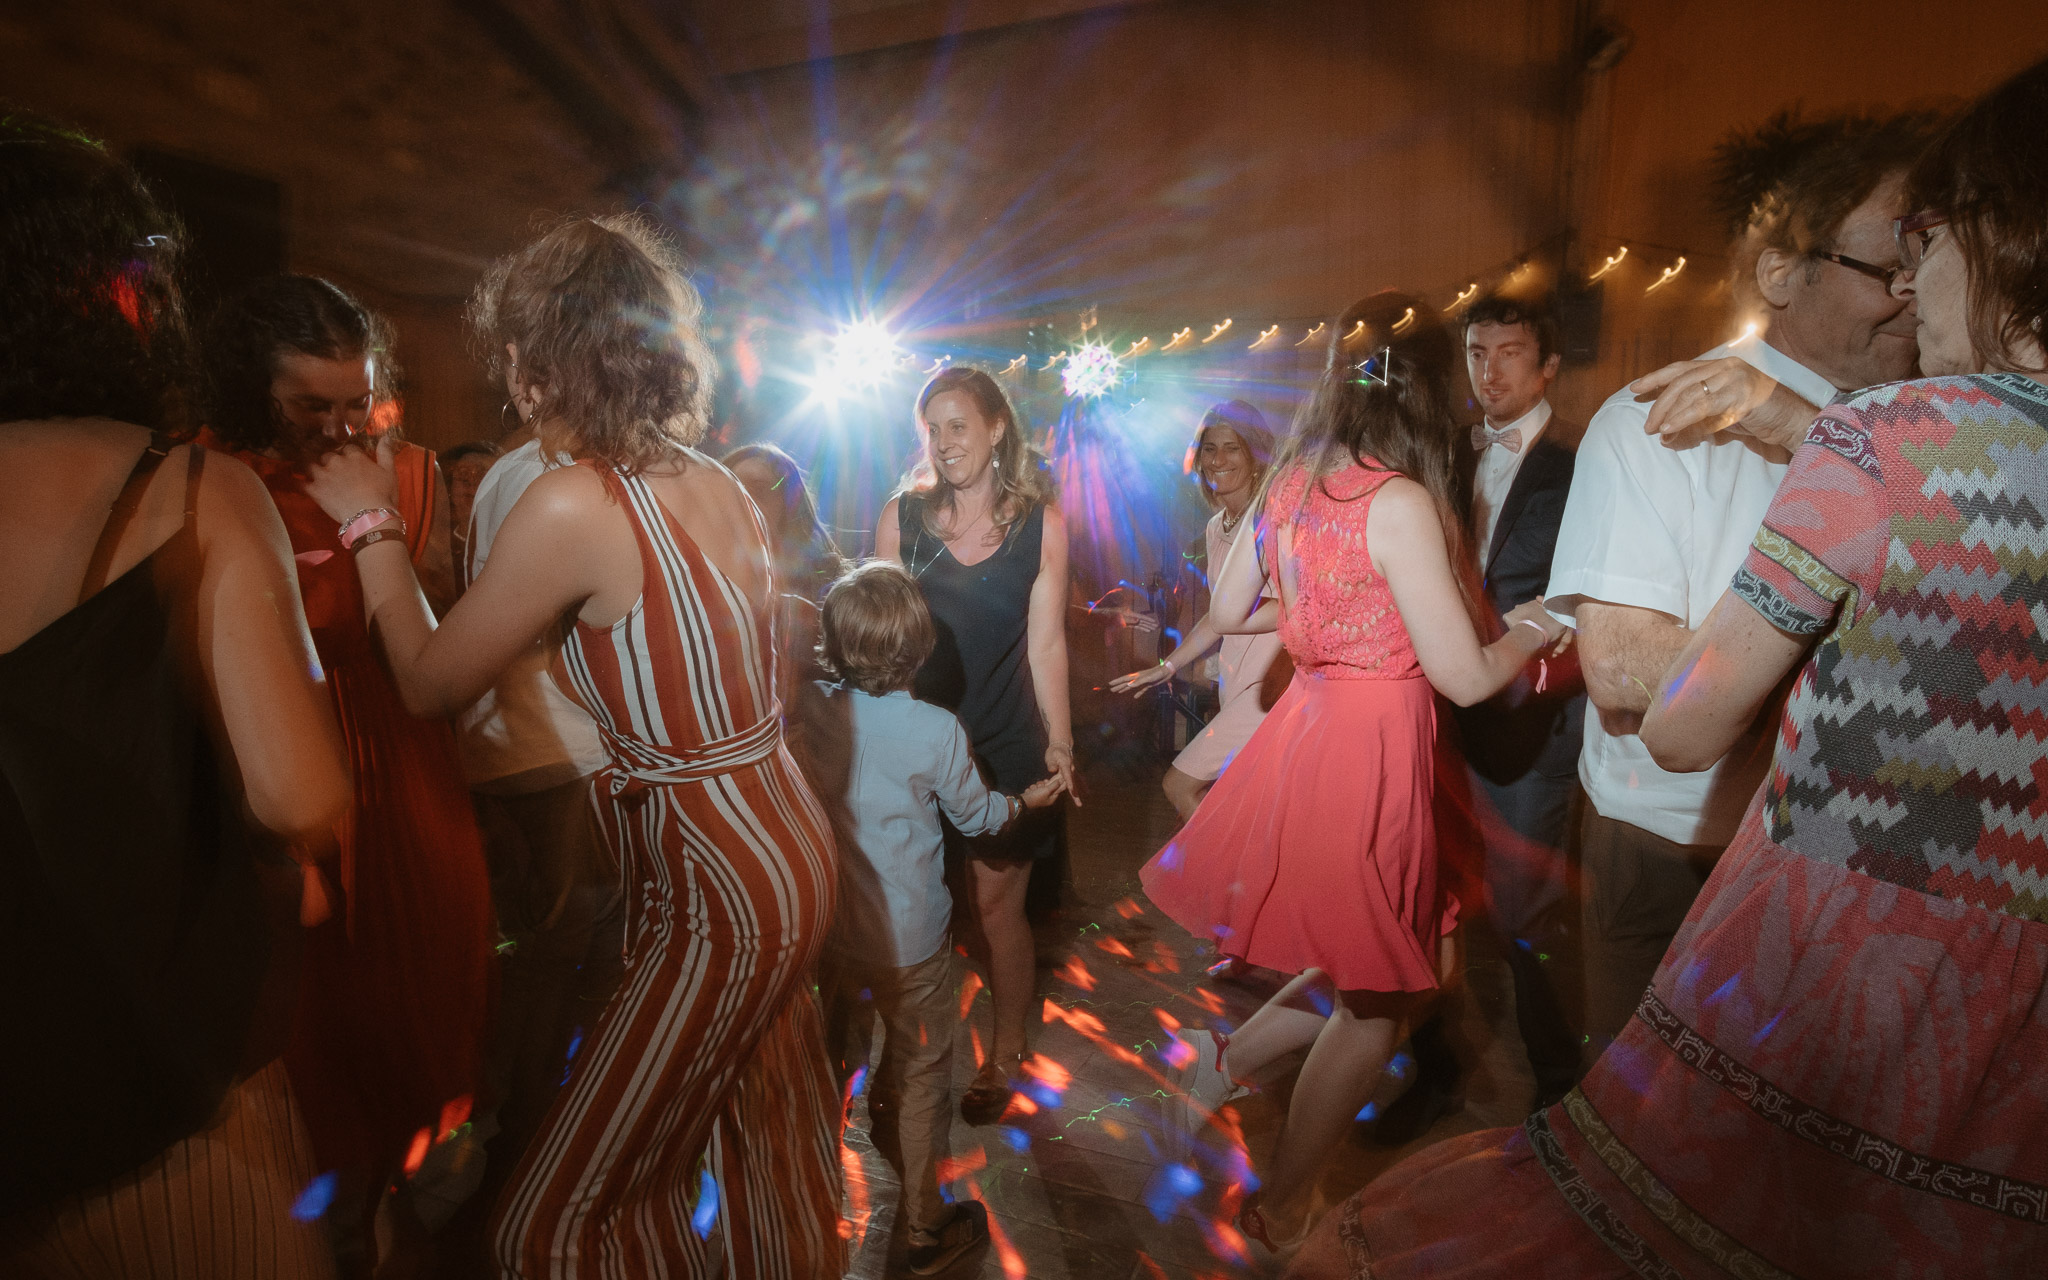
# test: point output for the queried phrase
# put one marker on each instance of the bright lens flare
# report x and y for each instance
(862, 356)
(1091, 370)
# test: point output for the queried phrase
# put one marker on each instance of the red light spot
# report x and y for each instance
(416, 1155)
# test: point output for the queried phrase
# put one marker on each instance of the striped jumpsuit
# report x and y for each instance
(710, 1059)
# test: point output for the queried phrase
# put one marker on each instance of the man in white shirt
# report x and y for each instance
(1654, 531)
(530, 754)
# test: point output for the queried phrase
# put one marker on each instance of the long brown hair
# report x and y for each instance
(1392, 415)
(607, 322)
(1989, 173)
(1022, 480)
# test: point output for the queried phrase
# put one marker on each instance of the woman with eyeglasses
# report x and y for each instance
(395, 989)
(1317, 851)
(1838, 1068)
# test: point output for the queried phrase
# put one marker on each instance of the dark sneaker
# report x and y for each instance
(933, 1251)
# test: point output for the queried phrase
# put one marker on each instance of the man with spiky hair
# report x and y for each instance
(1655, 528)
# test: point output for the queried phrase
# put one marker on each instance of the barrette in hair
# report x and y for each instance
(1376, 369)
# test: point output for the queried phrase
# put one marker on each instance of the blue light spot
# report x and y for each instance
(1524, 944)
(1721, 992)
(1044, 1094)
(1758, 1038)
(1368, 1111)
(1017, 1138)
(316, 1198)
(859, 1082)
(1401, 1064)
(569, 1059)
(705, 1215)
(1322, 1002)
(1169, 1188)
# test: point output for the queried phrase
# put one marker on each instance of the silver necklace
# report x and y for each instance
(1230, 522)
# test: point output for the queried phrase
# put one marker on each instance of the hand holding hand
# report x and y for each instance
(353, 479)
(1042, 793)
(1059, 759)
(1533, 612)
(1139, 681)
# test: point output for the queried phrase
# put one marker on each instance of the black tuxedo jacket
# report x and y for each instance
(1520, 731)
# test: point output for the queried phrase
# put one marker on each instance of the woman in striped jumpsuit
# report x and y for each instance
(698, 1134)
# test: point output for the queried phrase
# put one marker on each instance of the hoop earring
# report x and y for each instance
(509, 412)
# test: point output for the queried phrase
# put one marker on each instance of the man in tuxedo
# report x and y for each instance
(1522, 746)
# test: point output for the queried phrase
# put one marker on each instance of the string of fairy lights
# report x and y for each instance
(864, 353)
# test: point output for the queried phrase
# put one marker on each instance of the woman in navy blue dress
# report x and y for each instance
(977, 527)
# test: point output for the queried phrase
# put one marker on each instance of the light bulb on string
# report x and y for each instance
(1310, 336)
(1609, 265)
(1670, 273)
(1265, 336)
(1463, 297)
(1407, 318)
(1218, 331)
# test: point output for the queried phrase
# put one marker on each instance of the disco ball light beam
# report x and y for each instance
(1091, 370)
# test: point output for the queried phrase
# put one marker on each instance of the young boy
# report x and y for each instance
(886, 765)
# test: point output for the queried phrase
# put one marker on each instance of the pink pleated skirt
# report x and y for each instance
(1334, 841)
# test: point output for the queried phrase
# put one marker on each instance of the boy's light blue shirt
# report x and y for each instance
(887, 765)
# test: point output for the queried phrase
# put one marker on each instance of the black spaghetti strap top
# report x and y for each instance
(135, 926)
(979, 669)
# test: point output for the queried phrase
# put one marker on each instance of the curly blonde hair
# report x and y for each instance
(1022, 478)
(606, 322)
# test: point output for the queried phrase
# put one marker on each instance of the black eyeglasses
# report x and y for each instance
(1883, 275)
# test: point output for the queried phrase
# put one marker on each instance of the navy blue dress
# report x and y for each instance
(980, 668)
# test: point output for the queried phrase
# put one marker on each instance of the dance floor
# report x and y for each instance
(1091, 1185)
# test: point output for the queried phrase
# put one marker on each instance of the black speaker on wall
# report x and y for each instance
(1578, 323)
(234, 221)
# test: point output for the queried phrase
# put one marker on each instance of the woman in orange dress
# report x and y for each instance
(396, 989)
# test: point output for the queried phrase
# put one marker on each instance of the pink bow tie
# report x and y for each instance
(1509, 438)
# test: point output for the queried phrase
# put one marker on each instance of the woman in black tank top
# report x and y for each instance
(977, 527)
(163, 735)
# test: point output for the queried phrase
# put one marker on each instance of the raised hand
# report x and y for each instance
(354, 479)
(1139, 681)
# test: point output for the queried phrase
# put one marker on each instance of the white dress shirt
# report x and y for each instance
(1495, 475)
(525, 734)
(1665, 529)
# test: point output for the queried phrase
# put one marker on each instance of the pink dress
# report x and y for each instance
(1319, 847)
(1243, 663)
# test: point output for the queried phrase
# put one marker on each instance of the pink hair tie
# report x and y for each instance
(363, 521)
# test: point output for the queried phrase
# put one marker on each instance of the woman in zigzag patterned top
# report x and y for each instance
(1837, 1070)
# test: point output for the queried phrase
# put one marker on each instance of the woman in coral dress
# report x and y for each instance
(1317, 852)
(697, 1135)
(396, 989)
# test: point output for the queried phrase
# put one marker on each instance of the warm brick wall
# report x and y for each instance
(410, 150)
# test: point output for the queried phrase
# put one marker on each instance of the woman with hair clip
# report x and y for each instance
(1317, 853)
(977, 527)
(165, 738)
(696, 1135)
(1233, 452)
(389, 1039)
(1837, 1069)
